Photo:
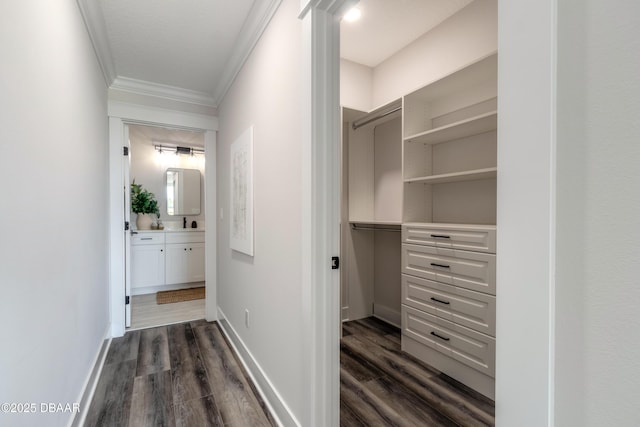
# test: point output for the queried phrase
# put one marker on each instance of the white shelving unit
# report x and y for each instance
(449, 224)
(471, 175)
(429, 169)
(372, 213)
(449, 148)
(461, 129)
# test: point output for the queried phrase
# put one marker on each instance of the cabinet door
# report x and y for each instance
(147, 265)
(195, 263)
(176, 270)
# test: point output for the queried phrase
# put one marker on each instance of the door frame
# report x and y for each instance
(121, 114)
(526, 162)
(321, 206)
(126, 173)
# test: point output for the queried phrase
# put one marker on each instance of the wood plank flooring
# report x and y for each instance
(187, 375)
(146, 313)
(178, 375)
(381, 386)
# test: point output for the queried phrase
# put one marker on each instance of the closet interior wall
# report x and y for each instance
(372, 213)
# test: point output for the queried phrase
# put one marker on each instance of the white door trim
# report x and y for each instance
(119, 114)
(321, 208)
(126, 168)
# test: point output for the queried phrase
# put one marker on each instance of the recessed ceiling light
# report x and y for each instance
(352, 14)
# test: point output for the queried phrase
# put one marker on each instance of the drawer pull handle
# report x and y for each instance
(440, 336)
(440, 301)
(440, 236)
(439, 265)
(146, 238)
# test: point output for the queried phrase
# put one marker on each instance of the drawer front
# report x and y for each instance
(147, 238)
(470, 270)
(474, 310)
(465, 238)
(472, 348)
(185, 237)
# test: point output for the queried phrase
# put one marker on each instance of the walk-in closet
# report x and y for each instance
(418, 218)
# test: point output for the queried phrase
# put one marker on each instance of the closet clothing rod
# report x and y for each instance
(358, 123)
(360, 227)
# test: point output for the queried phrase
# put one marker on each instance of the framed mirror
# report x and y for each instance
(183, 191)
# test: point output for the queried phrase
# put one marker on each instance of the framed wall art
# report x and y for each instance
(241, 215)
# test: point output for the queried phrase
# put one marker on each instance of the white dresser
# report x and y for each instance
(449, 300)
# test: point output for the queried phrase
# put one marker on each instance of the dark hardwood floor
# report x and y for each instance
(177, 375)
(187, 375)
(381, 386)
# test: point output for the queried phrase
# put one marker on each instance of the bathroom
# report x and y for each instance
(166, 261)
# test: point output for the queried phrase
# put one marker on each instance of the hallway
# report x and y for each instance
(186, 374)
(177, 375)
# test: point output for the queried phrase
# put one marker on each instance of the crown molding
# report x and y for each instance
(333, 7)
(259, 17)
(159, 90)
(94, 22)
(146, 114)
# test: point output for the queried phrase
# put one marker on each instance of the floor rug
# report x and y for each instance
(166, 297)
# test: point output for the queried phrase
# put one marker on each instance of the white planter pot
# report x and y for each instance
(143, 221)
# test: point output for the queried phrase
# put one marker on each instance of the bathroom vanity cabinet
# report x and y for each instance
(184, 257)
(147, 260)
(162, 260)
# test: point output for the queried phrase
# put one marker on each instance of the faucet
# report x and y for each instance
(184, 222)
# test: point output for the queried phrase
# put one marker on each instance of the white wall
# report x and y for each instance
(54, 215)
(266, 94)
(568, 141)
(598, 206)
(465, 37)
(356, 85)
(148, 167)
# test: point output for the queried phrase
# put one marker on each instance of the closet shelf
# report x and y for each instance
(472, 126)
(374, 222)
(471, 175)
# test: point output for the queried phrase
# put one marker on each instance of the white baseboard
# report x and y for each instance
(90, 383)
(387, 314)
(345, 314)
(277, 406)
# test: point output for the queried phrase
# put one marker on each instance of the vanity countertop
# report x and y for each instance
(168, 230)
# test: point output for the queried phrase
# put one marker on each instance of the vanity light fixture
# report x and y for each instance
(178, 150)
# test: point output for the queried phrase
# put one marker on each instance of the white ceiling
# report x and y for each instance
(386, 26)
(177, 43)
(192, 49)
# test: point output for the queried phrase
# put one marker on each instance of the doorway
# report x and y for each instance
(407, 169)
(121, 116)
(165, 264)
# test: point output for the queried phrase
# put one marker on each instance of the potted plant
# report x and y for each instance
(143, 203)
